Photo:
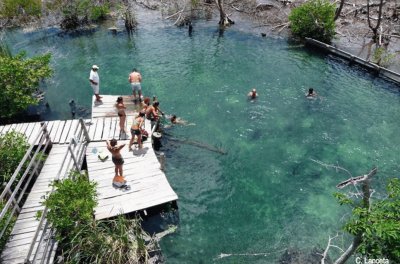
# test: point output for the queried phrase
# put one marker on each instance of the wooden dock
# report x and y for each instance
(31, 239)
(149, 185)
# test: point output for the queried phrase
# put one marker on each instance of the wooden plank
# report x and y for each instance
(92, 128)
(99, 129)
(59, 132)
(65, 131)
(73, 130)
(54, 129)
(24, 128)
(6, 129)
(106, 128)
(35, 131)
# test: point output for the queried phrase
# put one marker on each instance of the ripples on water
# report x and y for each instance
(266, 194)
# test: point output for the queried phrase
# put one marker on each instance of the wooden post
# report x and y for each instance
(84, 129)
(45, 132)
(162, 161)
(73, 157)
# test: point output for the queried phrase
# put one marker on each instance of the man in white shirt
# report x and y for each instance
(95, 82)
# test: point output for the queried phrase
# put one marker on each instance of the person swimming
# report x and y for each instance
(253, 94)
(311, 93)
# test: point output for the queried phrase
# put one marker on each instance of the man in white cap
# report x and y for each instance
(95, 82)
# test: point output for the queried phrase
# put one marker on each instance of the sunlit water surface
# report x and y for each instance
(266, 194)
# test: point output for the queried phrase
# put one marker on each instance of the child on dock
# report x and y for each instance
(118, 161)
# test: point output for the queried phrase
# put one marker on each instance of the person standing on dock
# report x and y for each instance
(118, 161)
(121, 113)
(136, 130)
(95, 82)
(135, 79)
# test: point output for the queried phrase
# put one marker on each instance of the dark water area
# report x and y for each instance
(266, 194)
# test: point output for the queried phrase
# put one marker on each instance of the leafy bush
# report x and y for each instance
(83, 240)
(14, 8)
(19, 79)
(3, 223)
(99, 12)
(72, 204)
(13, 146)
(314, 19)
(382, 57)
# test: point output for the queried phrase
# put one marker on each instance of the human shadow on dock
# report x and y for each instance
(140, 152)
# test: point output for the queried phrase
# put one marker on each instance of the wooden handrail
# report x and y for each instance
(15, 189)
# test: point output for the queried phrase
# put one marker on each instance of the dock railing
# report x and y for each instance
(43, 243)
(14, 193)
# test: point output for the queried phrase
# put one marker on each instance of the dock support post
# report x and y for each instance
(162, 161)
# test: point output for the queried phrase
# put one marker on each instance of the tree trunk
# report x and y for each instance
(224, 20)
(349, 251)
(339, 10)
(375, 29)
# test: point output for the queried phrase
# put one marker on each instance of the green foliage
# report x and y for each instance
(19, 78)
(99, 12)
(72, 204)
(78, 12)
(314, 19)
(109, 241)
(382, 57)
(83, 240)
(13, 146)
(14, 8)
(379, 226)
(3, 224)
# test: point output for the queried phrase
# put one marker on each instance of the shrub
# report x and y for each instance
(83, 240)
(108, 241)
(99, 12)
(72, 204)
(13, 146)
(13, 8)
(314, 19)
(3, 224)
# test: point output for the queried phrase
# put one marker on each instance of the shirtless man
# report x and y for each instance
(135, 79)
(118, 161)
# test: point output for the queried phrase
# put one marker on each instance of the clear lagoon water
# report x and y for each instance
(266, 194)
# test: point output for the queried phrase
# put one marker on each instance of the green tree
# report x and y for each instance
(314, 19)
(13, 146)
(19, 79)
(375, 225)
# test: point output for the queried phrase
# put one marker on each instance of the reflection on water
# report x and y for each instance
(266, 194)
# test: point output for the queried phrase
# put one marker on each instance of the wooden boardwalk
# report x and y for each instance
(149, 185)
(25, 227)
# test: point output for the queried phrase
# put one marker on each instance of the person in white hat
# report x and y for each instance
(95, 82)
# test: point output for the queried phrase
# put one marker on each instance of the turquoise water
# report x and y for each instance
(266, 194)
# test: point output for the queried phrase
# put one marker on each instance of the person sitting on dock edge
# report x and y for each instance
(135, 79)
(118, 161)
